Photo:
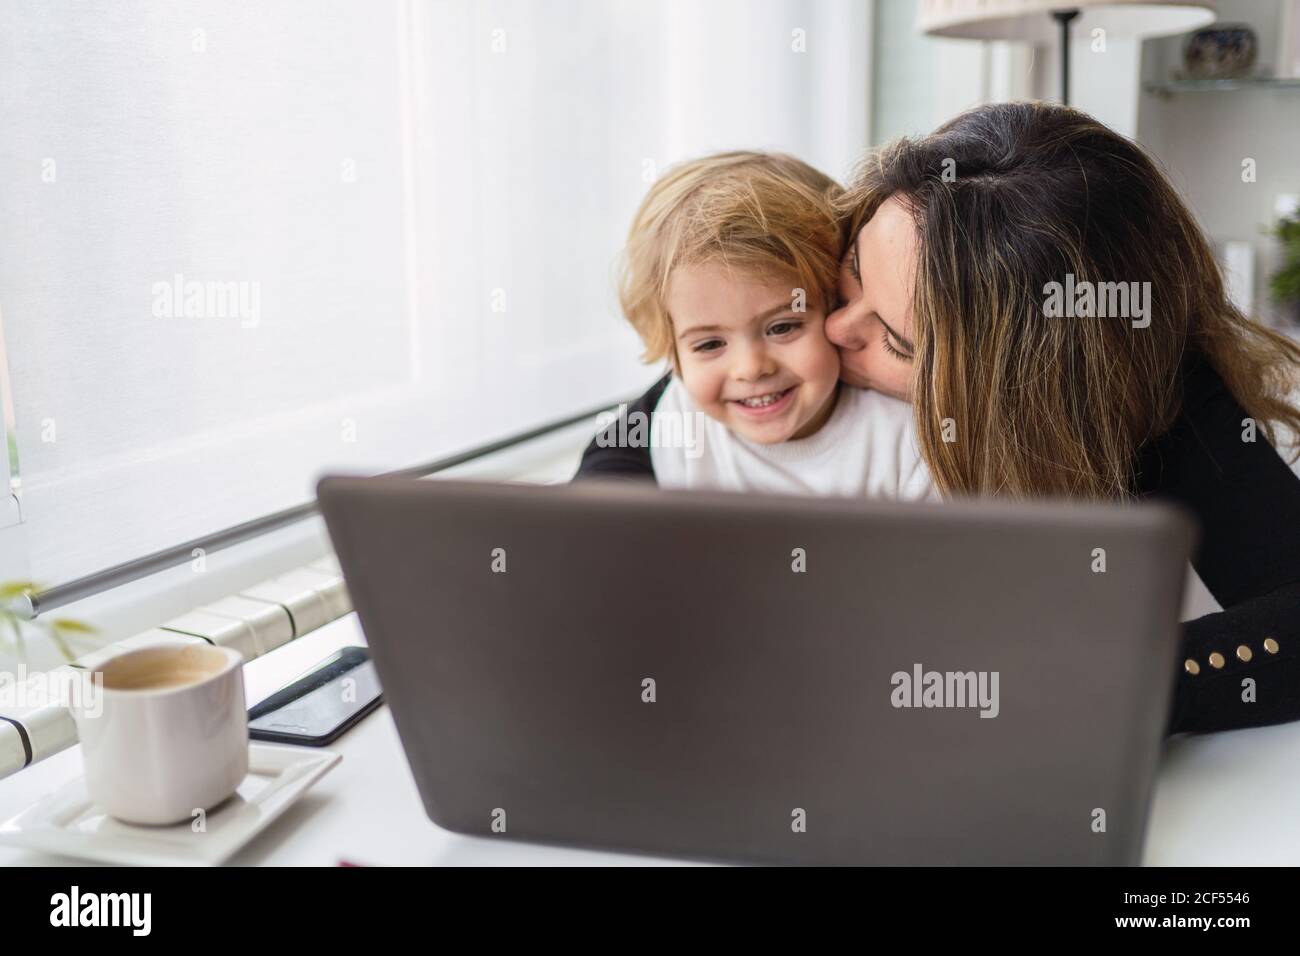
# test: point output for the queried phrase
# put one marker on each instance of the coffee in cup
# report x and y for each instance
(170, 737)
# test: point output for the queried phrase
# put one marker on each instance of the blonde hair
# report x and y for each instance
(762, 213)
(1007, 199)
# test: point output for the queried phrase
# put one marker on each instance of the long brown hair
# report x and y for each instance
(1007, 199)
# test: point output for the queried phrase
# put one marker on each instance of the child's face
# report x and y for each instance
(747, 358)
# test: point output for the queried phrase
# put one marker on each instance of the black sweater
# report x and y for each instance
(1247, 500)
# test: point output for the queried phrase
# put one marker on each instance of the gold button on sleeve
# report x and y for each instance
(1191, 667)
(1270, 645)
(1216, 660)
(1244, 653)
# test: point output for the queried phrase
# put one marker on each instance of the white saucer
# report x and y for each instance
(67, 822)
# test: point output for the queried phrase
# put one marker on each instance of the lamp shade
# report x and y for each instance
(1029, 20)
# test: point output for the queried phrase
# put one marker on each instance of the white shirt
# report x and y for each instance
(867, 447)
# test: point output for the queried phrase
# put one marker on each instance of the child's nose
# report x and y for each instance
(753, 363)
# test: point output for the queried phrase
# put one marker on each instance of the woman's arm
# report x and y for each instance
(1220, 698)
(1240, 667)
(609, 455)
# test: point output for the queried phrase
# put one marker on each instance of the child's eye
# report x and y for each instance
(784, 328)
(708, 345)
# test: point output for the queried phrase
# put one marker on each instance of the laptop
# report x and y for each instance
(771, 678)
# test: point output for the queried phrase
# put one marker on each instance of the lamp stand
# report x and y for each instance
(1063, 17)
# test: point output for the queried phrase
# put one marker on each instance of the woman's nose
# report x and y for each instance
(846, 327)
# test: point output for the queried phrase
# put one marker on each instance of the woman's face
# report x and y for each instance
(873, 326)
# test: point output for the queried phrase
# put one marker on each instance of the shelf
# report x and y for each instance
(1171, 87)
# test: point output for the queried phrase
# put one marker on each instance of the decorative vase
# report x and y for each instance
(1223, 51)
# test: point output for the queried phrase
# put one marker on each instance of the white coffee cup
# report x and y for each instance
(171, 734)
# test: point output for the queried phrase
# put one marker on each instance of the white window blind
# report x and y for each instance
(244, 244)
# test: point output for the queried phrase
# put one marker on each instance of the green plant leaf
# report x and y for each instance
(13, 589)
(1285, 283)
(62, 645)
(20, 645)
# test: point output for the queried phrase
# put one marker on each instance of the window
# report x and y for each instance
(248, 244)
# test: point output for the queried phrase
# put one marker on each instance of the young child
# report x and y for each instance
(730, 269)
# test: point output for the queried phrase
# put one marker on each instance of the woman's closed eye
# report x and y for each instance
(893, 350)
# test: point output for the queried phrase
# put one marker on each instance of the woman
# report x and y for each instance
(961, 248)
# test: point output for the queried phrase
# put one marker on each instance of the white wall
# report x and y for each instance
(920, 82)
(1203, 138)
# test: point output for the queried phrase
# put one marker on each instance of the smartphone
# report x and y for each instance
(319, 706)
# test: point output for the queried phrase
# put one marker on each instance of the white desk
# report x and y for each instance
(1227, 798)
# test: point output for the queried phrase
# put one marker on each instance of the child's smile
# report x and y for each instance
(766, 405)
